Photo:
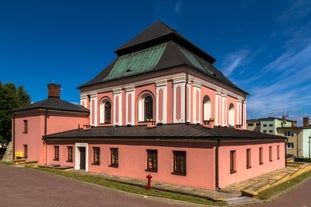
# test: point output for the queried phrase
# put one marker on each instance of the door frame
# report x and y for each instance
(77, 156)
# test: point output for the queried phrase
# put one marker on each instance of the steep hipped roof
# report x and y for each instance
(54, 104)
(158, 48)
(167, 131)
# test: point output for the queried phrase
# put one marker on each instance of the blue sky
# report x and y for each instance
(263, 46)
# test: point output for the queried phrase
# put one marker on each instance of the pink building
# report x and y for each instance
(162, 108)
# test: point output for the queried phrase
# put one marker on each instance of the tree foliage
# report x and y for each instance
(10, 98)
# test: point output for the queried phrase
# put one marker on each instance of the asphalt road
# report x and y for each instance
(30, 188)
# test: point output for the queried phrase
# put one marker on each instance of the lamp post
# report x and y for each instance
(309, 146)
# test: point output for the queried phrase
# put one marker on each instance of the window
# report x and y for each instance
(207, 108)
(232, 161)
(25, 151)
(105, 115)
(56, 153)
(270, 153)
(265, 125)
(70, 154)
(288, 134)
(278, 152)
(271, 125)
(251, 124)
(179, 162)
(114, 157)
(231, 117)
(260, 156)
(96, 155)
(25, 126)
(145, 108)
(265, 131)
(248, 158)
(148, 108)
(290, 145)
(152, 160)
(270, 131)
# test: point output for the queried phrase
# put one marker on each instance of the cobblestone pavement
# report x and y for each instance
(30, 188)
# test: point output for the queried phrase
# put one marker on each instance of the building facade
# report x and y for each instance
(162, 108)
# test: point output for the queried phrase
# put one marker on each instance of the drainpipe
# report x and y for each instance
(13, 136)
(45, 133)
(285, 144)
(217, 165)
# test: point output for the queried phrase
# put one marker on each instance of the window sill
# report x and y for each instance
(96, 163)
(232, 171)
(55, 159)
(68, 160)
(248, 167)
(116, 166)
(179, 173)
(261, 163)
(151, 170)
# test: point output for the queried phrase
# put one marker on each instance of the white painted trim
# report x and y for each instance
(182, 87)
(77, 156)
(127, 109)
(164, 99)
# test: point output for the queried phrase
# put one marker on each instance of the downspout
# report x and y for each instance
(45, 133)
(13, 136)
(217, 165)
(285, 144)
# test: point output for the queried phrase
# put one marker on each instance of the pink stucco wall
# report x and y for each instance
(56, 122)
(242, 172)
(133, 161)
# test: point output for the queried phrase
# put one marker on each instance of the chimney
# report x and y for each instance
(53, 90)
(305, 121)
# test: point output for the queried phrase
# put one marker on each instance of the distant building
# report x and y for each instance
(298, 143)
(160, 108)
(269, 125)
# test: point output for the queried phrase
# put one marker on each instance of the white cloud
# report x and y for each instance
(233, 61)
(299, 9)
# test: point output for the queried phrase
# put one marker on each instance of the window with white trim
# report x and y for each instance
(105, 112)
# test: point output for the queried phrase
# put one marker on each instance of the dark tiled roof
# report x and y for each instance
(169, 131)
(174, 55)
(54, 104)
(178, 51)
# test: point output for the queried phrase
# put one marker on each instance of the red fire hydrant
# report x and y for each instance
(149, 182)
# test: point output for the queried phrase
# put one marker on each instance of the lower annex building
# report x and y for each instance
(160, 108)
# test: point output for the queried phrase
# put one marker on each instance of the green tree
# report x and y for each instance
(10, 98)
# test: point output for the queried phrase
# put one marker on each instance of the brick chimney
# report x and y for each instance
(53, 90)
(305, 121)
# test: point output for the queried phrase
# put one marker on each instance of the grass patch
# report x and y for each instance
(283, 186)
(131, 188)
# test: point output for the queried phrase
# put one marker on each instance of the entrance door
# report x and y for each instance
(82, 157)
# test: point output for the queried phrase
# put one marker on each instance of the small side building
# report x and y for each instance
(36, 120)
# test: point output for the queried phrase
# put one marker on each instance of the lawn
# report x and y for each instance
(94, 179)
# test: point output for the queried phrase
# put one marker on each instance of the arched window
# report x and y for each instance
(145, 108)
(207, 108)
(231, 116)
(105, 112)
